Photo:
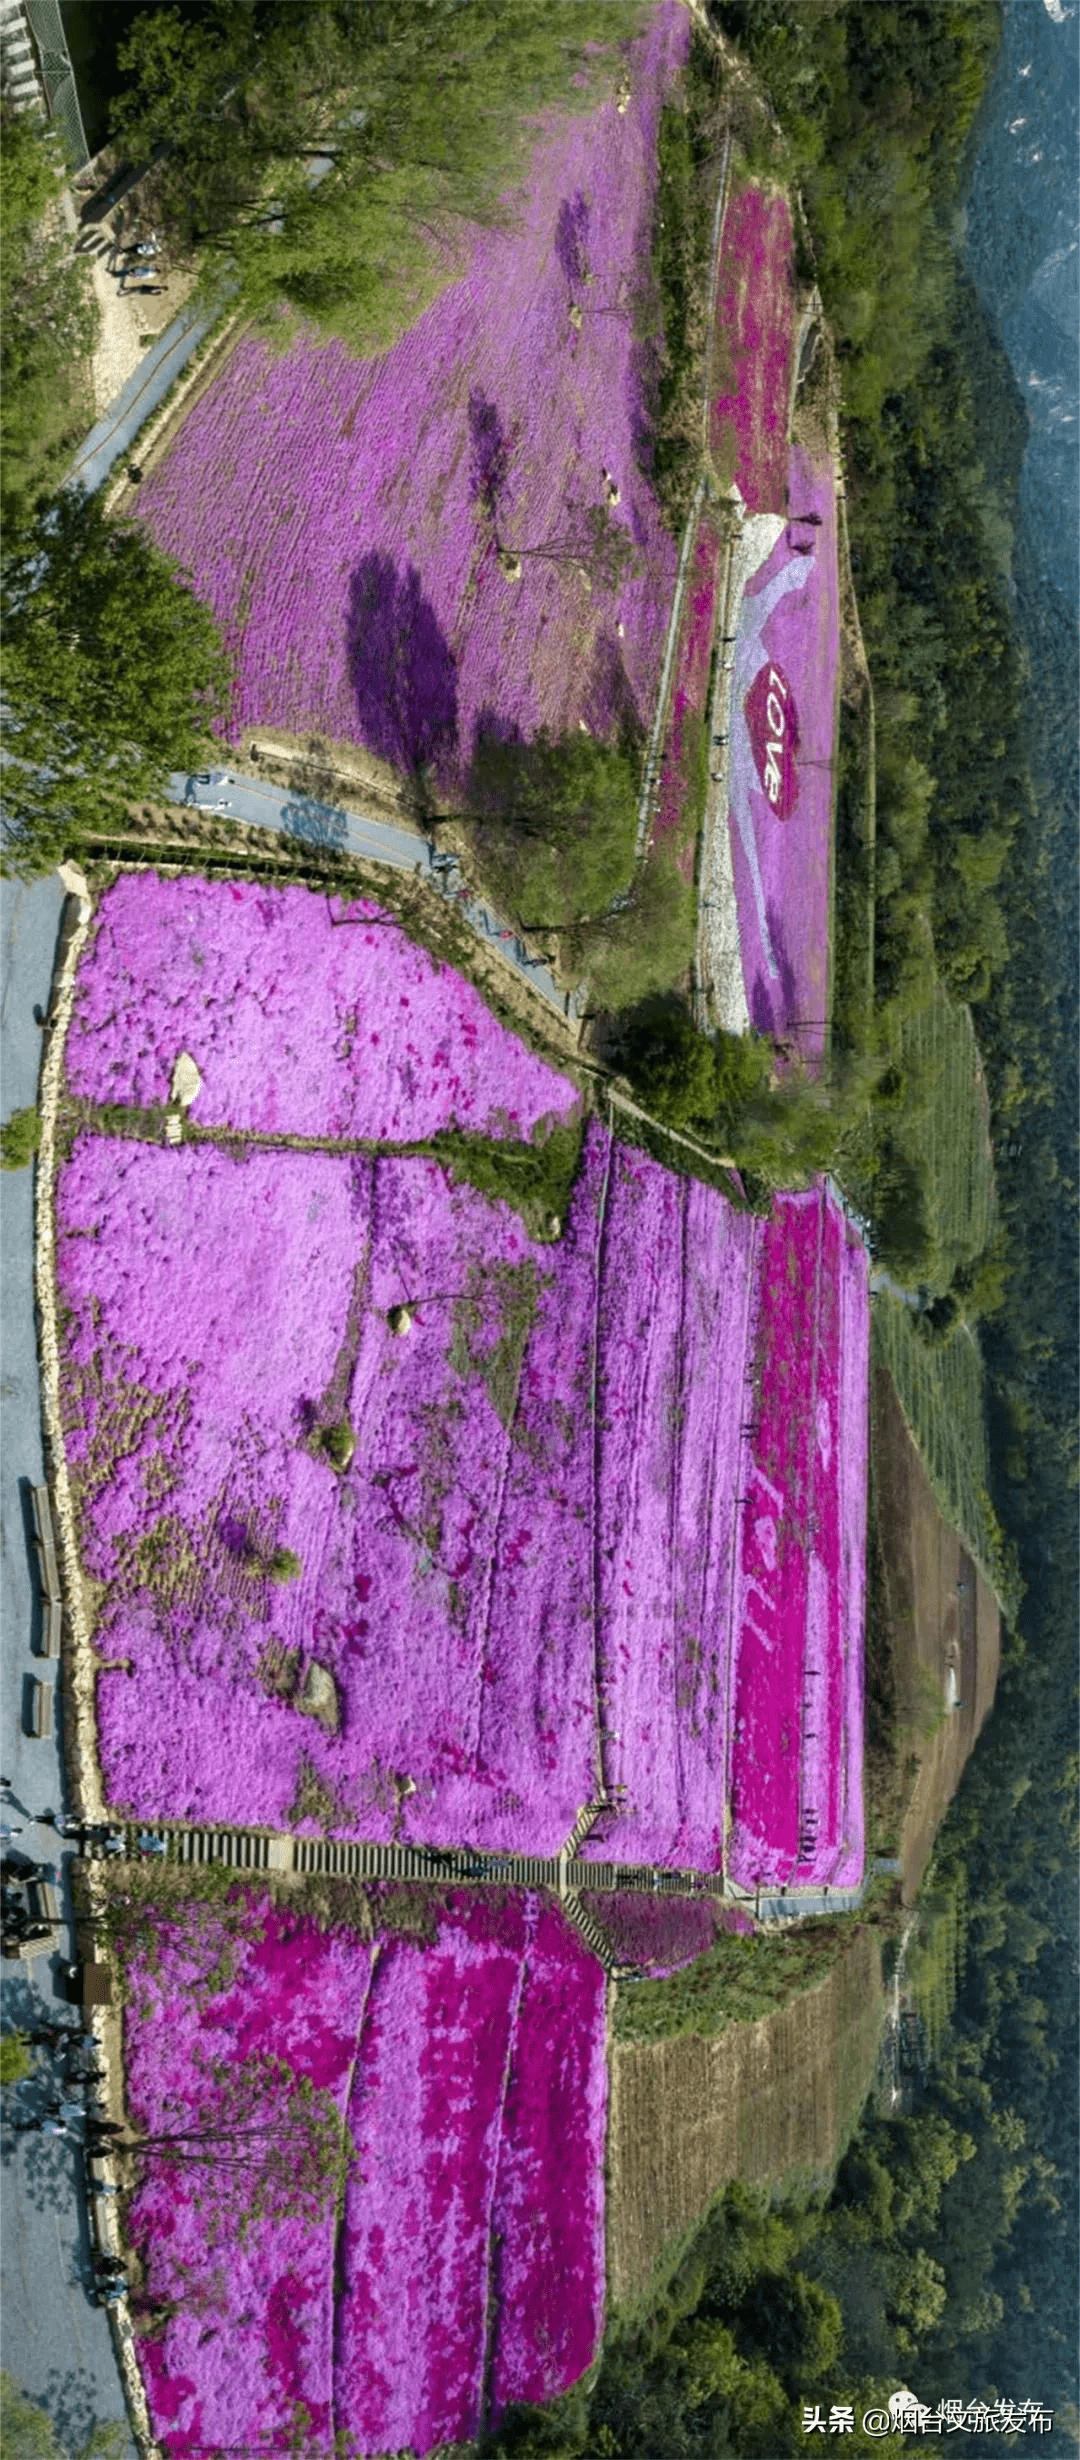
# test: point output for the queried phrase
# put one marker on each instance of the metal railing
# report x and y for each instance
(58, 78)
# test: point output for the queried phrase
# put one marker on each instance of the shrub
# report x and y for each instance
(15, 2059)
(339, 1444)
(20, 1137)
(284, 1565)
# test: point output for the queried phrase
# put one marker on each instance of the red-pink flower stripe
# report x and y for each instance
(795, 1777)
(755, 298)
(472, 2075)
(786, 667)
(691, 683)
(305, 1016)
(677, 1322)
(332, 510)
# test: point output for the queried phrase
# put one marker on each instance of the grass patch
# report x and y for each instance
(940, 1387)
(536, 1178)
(20, 1137)
(941, 1060)
(737, 1981)
(853, 890)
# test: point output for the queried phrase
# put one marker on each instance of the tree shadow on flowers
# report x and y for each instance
(402, 670)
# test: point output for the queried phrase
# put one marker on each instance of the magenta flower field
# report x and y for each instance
(783, 709)
(796, 1738)
(660, 1935)
(304, 1015)
(755, 302)
(537, 1582)
(344, 518)
(467, 2267)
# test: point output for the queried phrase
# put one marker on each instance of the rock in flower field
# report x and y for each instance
(531, 1573)
(305, 1017)
(345, 518)
(462, 2044)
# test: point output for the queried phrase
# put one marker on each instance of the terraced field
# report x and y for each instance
(941, 1390)
(941, 1055)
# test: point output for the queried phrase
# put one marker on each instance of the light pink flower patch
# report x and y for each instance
(783, 712)
(470, 2268)
(343, 517)
(311, 1016)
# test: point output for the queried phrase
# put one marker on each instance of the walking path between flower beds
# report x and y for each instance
(249, 1849)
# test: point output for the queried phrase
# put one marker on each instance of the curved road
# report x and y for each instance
(56, 2344)
(261, 805)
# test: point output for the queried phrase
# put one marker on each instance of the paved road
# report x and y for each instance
(55, 2343)
(261, 805)
(116, 430)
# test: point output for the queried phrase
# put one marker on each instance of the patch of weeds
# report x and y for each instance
(277, 1669)
(498, 1362)
(20, 1137)
(339, 1444)
(313, 1800)
(535, 1178)
(283, 1566)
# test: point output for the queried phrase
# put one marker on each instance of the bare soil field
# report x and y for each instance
(771, 2103)
(945, 1627)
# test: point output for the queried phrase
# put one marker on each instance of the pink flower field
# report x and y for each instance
(660, 1935)
(796, 1741)
(466, 2269)
(305, 1016)
(343, 517)
(755, 301)
(538, 1579)
(783, 709)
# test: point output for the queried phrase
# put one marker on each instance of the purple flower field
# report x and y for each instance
(783, 710)
(343, 518)
(304, 1015)
(470, 2071)
(539, 1568)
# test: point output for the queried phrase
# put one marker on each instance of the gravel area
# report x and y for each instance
(125, 321)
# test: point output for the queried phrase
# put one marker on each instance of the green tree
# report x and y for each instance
(555, 823)
(19, 1139)
(329, 152)
(27, 2432)
(15, 2060)
(48, 321)
(262, 2143)
(112, 674)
